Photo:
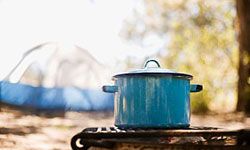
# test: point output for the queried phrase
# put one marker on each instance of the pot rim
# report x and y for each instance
(153, 74)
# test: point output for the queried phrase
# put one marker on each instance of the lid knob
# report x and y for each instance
(151, 60)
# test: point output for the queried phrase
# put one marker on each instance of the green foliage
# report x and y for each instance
(199, 104)
(200, 40)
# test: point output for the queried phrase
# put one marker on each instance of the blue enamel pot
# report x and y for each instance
(152, 97)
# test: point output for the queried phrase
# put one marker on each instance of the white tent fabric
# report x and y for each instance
(57, 77)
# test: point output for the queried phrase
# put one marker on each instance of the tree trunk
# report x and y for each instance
(243, 13)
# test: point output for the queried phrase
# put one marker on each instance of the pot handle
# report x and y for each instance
(151, 60)
(195, 88)
(110, 88)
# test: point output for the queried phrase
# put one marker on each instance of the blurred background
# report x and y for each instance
(187, 36)
(77, 45)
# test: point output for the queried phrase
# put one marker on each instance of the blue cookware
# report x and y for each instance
(152, 97)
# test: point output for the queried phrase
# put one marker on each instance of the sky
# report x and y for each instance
(91, 24)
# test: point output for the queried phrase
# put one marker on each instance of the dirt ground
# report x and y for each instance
(51, 131)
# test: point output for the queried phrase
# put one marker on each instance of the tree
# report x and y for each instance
(199, 38)
(243, 13)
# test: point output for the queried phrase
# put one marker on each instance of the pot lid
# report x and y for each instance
(153, 70)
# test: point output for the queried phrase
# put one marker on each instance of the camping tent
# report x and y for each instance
(50, 76)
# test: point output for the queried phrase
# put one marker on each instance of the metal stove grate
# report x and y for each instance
(109, 137)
